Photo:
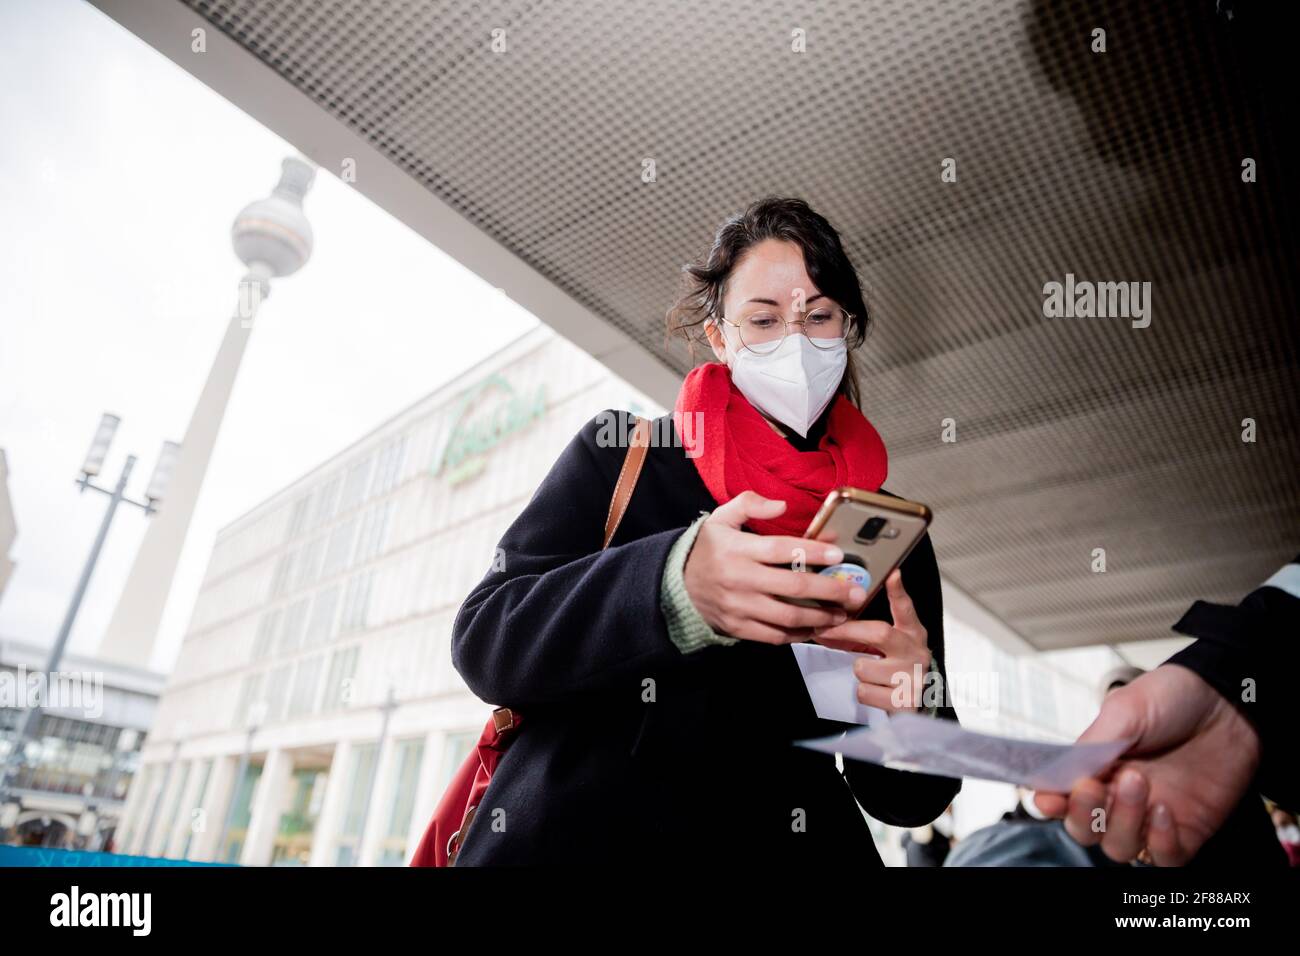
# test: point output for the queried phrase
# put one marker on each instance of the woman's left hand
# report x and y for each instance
(894, 679)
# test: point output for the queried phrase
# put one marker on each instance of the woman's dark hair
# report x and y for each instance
(790, 220)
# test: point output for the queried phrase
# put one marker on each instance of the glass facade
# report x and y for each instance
(241, 815)
(406, 767)
(293, 839)
(74, 757)
(360, 773)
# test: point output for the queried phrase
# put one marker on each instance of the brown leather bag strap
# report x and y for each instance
(627, 477)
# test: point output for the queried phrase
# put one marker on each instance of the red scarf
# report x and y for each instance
(738, 450)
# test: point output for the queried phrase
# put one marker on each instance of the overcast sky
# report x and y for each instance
(120, 176)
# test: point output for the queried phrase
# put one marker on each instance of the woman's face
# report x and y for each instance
(769, 277)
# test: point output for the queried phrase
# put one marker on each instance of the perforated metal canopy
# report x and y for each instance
(1074, 436)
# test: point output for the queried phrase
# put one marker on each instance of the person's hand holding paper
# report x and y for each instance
(908, 741)
(1163, 795)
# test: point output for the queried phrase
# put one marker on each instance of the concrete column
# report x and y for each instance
(333, 806)
(270, 799)
(128, 831)
(221, 790)
(159, 835)
(170, 808)
(126, 824)
(148, 799)
(130, 812)
(427, 793)
(180, 828)
(380, 804)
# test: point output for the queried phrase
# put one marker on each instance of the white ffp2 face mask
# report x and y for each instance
(795, 382)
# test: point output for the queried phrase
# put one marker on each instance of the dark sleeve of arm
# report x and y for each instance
(899, 797)
(557, 616)
(1248, 653)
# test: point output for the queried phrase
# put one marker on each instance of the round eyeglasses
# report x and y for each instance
(763, 332)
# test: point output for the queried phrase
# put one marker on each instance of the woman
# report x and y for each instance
(660, 696)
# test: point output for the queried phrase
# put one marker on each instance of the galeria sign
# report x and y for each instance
(489, 412)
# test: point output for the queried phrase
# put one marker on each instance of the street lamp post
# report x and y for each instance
(89, 469)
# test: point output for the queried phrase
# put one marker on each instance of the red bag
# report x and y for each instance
(455, 811)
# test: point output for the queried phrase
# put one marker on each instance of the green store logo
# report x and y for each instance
(478, 429)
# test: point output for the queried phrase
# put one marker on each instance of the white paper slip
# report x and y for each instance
(828, 675)
(927, 745)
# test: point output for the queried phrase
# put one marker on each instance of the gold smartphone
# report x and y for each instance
(875, 532)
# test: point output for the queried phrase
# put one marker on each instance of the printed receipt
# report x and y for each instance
(925, 745)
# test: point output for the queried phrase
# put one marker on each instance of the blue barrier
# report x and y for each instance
(48, 856)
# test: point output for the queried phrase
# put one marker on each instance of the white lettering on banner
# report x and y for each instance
(74, 908)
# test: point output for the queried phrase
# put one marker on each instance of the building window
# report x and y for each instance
(248, 697)
(406, 770)
(298, 518)
(292, 843)
(356, 603)
(1008, 670)
(336, 557)
(283, 574)
(321, 627)
(390, 466)
(374, 531)
(275, 693)
(339, 681)
(360, 772)
(76, 757)
(1042, 696)
(295, 625)
(327, 500)
(266, 633)
(455, 749)
(243, 812)
(354, 485)
(305, 682)
(310, 560)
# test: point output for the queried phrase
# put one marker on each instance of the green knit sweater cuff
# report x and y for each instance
(687, 629)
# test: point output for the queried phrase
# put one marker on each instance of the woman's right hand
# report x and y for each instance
(732, 576)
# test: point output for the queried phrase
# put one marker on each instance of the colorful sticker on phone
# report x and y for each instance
(853, 573)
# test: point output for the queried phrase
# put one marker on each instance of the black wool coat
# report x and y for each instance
(631, 751)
